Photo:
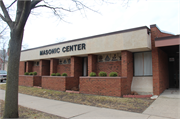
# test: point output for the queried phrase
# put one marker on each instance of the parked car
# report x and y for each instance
(3, 75)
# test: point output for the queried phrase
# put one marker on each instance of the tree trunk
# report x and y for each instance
(11, 99)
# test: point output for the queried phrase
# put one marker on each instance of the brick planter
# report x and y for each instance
(55, 82)
(29, 81)
(108, 86)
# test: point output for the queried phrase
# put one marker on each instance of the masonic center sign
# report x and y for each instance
(69, 48)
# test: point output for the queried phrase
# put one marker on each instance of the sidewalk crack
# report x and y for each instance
(81, 114)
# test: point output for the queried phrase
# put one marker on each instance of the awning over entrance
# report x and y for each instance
(170, 45)
(167, 41)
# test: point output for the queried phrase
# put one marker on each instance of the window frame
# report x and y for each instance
(143, 65)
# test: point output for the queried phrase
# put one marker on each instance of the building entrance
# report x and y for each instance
(173, 65)
(85, 66)
(174, 71)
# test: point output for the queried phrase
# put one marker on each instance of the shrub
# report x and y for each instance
(53, 74)
(102, 73)
(58, 74)
(113, 74)
(64, 74)
(26, 73)
(34, 73)
(31, 73)
(92, 74)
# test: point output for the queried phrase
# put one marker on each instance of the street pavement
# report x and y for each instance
(78, 111)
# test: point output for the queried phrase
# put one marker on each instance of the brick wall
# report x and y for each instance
(21, 68)
(109, 67)
(53, 65)
(36, 69)
(71, 82)
(29, 80)
(163, 71)
(29, 65)
(127, 68)
(92, 63)
(26, 81)
(37, 81)
(76, 69)
(76, 66)
(108, 86)
(159, 63)
(44, 67)
(64, 68)
(54, 82)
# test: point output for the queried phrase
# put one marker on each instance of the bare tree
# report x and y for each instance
(3, 53)
(3, 46)
(24, 8)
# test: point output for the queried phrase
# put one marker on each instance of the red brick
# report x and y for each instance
(127, 68)
(56, 82)
(108, 67)
(21, 68)
(159, 63)
(53, 65)
(92, 61)
(44, 67)
(29, 65)
(64, 68)
(108, 86)
(29, 81)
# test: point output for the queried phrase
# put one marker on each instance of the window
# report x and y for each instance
(36, 63)
(143, 64)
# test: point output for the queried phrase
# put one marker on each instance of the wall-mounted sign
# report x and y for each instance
(64, 49)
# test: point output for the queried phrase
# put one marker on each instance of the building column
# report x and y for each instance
(127, 68)
(159, 69)
(44, 66)
(29, 65)
(53, 65)
(22, 69)
(76, 66)
(92, 61)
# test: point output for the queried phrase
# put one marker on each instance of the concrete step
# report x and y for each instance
(37, 87)
(72, 91)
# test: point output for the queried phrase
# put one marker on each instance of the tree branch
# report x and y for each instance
(34, 3)
(80, 6)
(20, 5)
(6, 15)
(3, 30)
(11, 4)
(55, 8)
(24, 14)
(2, 17)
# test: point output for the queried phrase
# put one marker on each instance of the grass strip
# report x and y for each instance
(126, 104)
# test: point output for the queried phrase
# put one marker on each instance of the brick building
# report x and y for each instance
(146, 60)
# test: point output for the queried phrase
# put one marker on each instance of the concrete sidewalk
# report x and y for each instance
(77, 111)
(166, 105)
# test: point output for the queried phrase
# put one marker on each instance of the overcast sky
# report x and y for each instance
(45, 29)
